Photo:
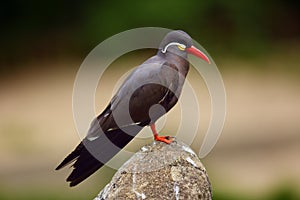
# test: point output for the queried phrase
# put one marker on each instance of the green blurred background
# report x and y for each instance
(256, 45)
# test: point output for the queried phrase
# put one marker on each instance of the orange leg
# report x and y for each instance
(165, 139)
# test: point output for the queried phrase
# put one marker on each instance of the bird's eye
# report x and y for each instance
(181, 47)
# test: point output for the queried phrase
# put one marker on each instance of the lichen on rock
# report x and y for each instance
(160, 171)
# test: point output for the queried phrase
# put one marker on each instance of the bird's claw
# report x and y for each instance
(165, 139)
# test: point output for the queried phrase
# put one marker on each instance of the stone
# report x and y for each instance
(160, 171)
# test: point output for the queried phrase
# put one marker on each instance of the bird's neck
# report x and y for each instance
(180, 61)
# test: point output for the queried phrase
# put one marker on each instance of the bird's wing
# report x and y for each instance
(148, 85)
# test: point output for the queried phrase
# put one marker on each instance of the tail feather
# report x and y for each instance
(85, 165)
(86, 153)
(71, 157)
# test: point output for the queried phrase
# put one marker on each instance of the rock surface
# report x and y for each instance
(160, 171)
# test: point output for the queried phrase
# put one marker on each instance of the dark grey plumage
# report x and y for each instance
(158, 81)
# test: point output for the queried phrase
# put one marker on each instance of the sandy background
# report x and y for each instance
(258, 149)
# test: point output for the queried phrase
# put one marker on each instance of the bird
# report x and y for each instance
(149, 92)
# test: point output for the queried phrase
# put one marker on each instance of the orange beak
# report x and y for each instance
(193, 50)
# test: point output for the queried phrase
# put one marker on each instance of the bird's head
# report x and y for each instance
(180, 43)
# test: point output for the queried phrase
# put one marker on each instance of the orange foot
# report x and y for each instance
(165, 139)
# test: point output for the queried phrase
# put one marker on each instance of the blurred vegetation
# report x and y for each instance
(33, 30)
(284, 192)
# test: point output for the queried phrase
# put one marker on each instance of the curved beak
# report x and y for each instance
(193, 50)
